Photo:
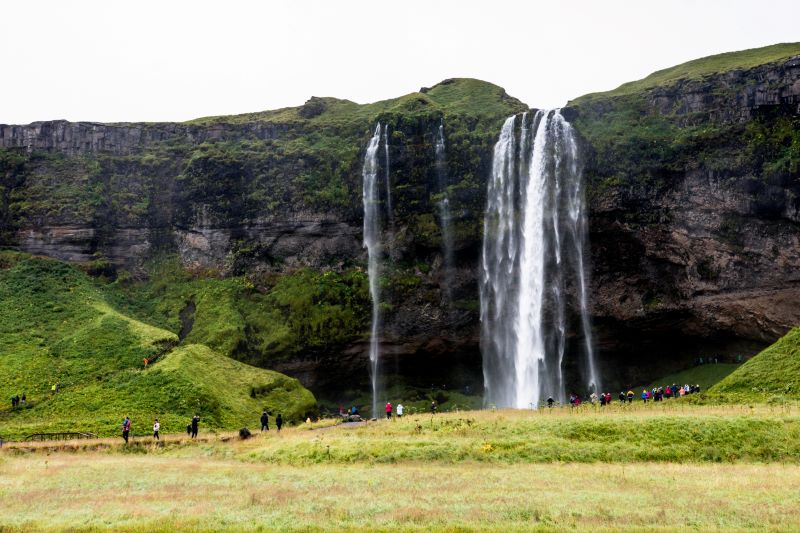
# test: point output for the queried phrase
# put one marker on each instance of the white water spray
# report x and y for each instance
(533, 250)
(372, 242)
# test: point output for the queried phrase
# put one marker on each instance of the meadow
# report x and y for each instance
(640, 467)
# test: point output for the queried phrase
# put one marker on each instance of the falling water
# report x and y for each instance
(533, 252)
(372, 243)
(387, 178)
(444, 213)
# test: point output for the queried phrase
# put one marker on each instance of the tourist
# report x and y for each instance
(354, 410)
(433, 407)
(645, 395)
(550, 402)
(388, 410)
(621, 397)
(126, 428)
(194, 424)
(608, 398)
(593, 398)
(264, 421)
(602, 400)
(279, 422)
(400, 410)
(188, 429)
(146, 362)
(156, 427)
(630, 396)
(23, 398)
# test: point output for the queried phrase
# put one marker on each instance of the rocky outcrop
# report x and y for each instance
(74, 138)
(735, 96)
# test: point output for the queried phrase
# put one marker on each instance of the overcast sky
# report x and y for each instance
(168, 60)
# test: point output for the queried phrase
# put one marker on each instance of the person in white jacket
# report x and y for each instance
(156, 428)
(399, 410)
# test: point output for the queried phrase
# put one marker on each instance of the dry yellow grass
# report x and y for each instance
(96, 491)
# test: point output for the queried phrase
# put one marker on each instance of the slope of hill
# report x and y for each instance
(771, 375)
(59, 327)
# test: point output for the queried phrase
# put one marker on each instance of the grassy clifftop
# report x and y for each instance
(700, 68)
(59, 326)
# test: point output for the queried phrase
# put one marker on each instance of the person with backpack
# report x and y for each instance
(279, 422)
(156, 427)
(126, 428)
(388, 410)
(194, 424)
(264, 421)
(400, 409)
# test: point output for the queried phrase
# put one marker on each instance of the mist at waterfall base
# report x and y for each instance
(532, 271)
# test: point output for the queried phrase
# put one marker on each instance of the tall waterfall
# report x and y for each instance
(444, 212)
(532, 265)
(372, 242)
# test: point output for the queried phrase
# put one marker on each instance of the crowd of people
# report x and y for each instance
(193, 427)
(656, 394)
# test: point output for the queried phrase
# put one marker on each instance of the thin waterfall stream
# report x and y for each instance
(372, 242)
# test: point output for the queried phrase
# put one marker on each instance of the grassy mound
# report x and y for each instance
(59, 326)
(671, 432)
(773, 374)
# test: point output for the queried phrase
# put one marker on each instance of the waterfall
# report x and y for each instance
(387, 179)
(444, 212)
(533, 254)
(372, 242)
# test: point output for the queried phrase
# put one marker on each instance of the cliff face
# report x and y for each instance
(694, 193)
(695, 221)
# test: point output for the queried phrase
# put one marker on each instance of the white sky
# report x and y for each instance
(113, 60)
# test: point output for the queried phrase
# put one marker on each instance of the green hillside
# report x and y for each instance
(61, 326)
(700, 68)
(771, 375)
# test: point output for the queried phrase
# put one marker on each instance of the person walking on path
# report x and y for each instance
(126, 428)
(279, 422)
(388, 410)
(195, 422)
(264, 421)
(156, 427)
(433, 407)
(400, 410)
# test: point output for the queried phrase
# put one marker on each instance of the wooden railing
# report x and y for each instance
(60, 435)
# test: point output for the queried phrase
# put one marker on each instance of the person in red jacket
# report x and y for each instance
(388, 410)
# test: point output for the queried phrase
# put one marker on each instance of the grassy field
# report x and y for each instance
(451, 475)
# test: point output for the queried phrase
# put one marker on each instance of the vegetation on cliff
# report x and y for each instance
(690, 117)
